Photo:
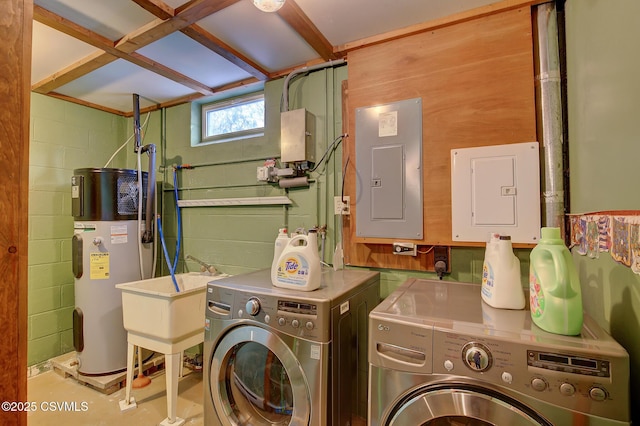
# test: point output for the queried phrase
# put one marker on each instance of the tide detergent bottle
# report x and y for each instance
(554, 287)
(299, 265)
(281, 241)
(501, 285)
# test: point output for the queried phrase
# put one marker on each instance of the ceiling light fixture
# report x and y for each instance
(268, 5)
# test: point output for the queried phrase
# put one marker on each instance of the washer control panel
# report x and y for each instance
(568, 363)
(572, 378)
(295, 317)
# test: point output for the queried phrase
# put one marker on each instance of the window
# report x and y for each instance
(233, 119)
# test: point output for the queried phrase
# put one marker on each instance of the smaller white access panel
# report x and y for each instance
(496, 189)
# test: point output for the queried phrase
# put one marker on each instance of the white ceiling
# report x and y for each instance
(230, 43)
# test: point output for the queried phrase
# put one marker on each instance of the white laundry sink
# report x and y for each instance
(153, 308)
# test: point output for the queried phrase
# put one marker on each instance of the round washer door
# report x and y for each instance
(463, 405)
(257, 380)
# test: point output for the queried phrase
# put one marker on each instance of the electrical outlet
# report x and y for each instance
(340, 207)
(441, 260)
(406, 249)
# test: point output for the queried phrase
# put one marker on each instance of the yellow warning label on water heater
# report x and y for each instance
(99, 266)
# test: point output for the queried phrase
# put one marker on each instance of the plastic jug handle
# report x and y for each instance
(562, 288)
(298, 238)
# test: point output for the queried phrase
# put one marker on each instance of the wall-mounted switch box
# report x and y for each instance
(297, 136)
(407, 249)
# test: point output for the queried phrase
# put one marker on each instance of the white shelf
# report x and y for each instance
(246, 201)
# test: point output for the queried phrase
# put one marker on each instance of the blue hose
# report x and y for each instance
(173, 266)
(166, 257)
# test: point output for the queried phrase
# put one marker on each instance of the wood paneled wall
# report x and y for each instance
(476, 81)
(15, 75)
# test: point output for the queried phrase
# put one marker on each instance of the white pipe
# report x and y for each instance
(287, 80)
(139, 236)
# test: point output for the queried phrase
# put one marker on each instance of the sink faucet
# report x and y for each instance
(204, 267)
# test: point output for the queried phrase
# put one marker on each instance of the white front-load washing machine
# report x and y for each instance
(276, 356)
(439, 355)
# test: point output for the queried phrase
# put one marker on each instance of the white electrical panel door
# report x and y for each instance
(496, 189)
(493, 191)
(389, 170)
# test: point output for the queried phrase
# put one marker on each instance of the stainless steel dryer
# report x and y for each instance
(440, 356)
(284, 357)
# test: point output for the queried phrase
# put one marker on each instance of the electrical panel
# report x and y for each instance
(297, 136)
(496, 189)
(389, 170)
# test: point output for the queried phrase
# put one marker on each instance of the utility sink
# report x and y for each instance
(152, 308)
(159, 318)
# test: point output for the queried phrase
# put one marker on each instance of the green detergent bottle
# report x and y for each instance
(554, 287)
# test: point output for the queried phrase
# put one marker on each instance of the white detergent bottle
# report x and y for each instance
(299, 265)
(487, 267)
(281, 241)
(501, 286)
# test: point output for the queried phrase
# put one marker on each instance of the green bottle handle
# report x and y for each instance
(563, 288)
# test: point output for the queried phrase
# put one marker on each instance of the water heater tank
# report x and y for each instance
(105, 252)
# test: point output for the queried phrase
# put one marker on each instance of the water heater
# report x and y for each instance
(106, 250)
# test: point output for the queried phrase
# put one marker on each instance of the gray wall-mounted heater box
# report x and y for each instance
(297, 136)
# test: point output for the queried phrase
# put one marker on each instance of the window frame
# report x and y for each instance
(228, 103)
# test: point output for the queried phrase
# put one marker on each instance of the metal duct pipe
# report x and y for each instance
(136, 122)
(150, 149)
(287, 80)
(147, 236)
(549, 112)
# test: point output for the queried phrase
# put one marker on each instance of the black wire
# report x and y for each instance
(331, 148)
(344, 174)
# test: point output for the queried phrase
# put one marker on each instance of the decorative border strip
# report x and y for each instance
(616, 232)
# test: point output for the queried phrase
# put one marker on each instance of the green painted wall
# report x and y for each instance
(240, 239)
(603, 65)
(64, 136)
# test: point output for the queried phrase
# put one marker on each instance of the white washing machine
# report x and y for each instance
(438, 355)
(284, 357)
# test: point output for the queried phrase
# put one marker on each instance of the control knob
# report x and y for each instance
(567, 389)
(597, 393)
(538, 384)
(253, 306)
(477, 357)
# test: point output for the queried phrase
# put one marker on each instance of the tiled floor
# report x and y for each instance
(86, 406)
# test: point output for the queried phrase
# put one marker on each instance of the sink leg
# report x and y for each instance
(173, 364)
(129, 402)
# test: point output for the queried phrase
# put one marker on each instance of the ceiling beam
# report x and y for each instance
(216, 45)
(300, 22)
(76, 70)
(435, 24)
(205, 38)
(85, 66)
(184, 16)
(85, 103)
(157, 8)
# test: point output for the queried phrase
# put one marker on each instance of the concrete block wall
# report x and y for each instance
(64, 136)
